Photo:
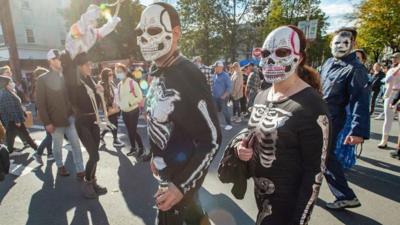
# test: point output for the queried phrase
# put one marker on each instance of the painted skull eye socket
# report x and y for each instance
(154, 30)
(283, 52)
(265, 53)
(139, 32)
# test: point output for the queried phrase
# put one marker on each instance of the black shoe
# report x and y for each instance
(382, 146)
(395, 154)
(99, 189)
(118, 144)
(133, 152)
(144, 158)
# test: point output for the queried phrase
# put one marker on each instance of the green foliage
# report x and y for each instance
(379, 26)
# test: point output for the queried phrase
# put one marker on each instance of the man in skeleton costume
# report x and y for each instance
(286, 141)
(84, 95)
(345, 83)
(182, 121)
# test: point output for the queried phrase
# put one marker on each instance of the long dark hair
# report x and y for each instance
(306, 72)
(104, 74)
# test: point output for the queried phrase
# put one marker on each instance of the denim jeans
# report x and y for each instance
(222, 105)
(72, 135)
(334, 174)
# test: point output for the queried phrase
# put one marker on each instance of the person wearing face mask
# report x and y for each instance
(345, 83)
(107, 81)
(183, 126)
(284, 147)
(13, 115)
(129, 97)
(392, 82)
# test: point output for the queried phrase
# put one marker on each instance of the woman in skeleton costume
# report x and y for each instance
(182, 121)
(85, 96)
(287, 137)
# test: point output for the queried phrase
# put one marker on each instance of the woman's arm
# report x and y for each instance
(314, 137)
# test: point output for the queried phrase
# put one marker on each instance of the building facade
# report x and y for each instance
(39, 25)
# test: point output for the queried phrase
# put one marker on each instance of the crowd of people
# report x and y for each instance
(298, 120)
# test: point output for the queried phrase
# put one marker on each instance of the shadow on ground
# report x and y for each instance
(378, 182)
(349, 217)
(58, 195)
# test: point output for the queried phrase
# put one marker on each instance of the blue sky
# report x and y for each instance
(336, 10)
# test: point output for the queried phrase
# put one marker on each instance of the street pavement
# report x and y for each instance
(35, 195)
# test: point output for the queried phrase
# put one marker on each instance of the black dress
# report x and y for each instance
(291, 143)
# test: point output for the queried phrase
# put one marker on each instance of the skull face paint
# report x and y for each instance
(154, 33)
(341, 44)
(280, 54)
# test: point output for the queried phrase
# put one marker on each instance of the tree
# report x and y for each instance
(122, 42)
(218, 29)
(379, 25)
(285, 12)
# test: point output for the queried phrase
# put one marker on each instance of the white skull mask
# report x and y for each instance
(280, 54)
(341, 44)
(154, 32)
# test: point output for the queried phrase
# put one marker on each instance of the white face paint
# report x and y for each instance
(341, 44)
(154, 33)
(280, 54)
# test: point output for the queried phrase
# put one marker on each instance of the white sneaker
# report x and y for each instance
(238, 120)
(380, 117)
(228, 127)
(343, 204)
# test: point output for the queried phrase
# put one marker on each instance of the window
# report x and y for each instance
(29, 36)
(2, 41)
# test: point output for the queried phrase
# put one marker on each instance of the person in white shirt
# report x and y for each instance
(129, 98)
(392, 88)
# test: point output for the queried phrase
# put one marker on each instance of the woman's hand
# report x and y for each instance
(244, 153)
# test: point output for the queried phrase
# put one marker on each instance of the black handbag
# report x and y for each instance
(4, 162)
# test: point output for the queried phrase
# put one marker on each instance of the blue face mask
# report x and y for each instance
(121, 76)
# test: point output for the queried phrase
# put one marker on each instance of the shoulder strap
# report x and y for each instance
(132, 87)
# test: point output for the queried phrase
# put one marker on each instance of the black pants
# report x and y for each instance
(373, 100)
(188, 211)
(89, 134)
(131, 120)
(243, 104)
(236, 107)
(12, 131)
(47, 142)
(114, 120)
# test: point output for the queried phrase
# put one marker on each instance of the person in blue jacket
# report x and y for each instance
(345, 83)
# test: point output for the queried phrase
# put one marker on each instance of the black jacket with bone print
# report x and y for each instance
(292, 139)
(182, 124)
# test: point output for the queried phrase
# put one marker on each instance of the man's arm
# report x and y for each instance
(359, 103)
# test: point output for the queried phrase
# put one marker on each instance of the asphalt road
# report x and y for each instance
(37, 196)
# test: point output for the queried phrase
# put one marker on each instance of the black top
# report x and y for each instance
(183, 125)
(77, 93)
(292, 138)
(376, 81)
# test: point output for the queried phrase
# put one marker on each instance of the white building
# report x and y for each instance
(39, 25)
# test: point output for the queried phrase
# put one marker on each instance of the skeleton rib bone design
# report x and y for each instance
(265, 121)
(160, 105)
